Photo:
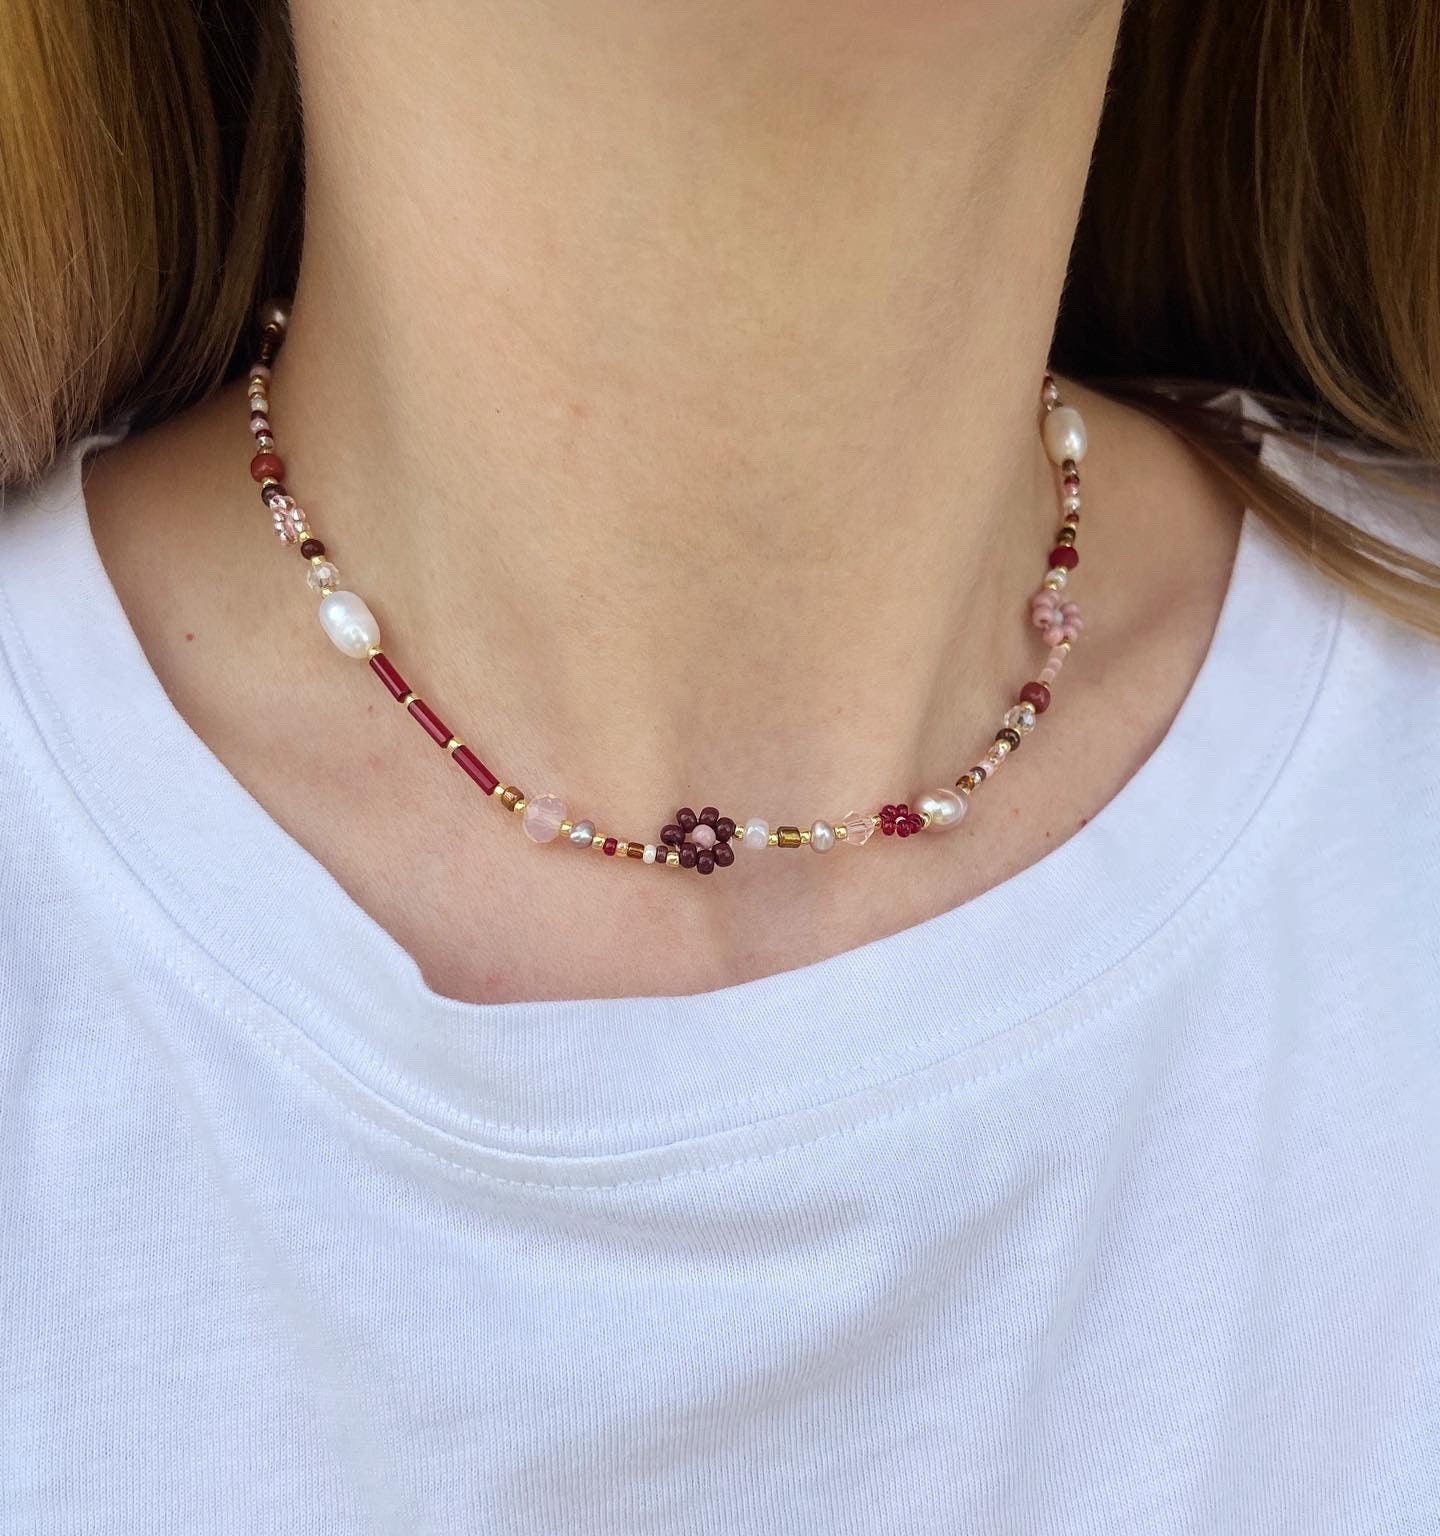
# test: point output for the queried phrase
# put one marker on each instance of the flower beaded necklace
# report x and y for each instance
(703, 841)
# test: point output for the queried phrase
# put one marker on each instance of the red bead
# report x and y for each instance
(1037, 695)
(476, 769)
(384, 669)
(1066, 555)
(705, 861)
(267, 466)
(435, 727)
(609, 846)
(724, 855)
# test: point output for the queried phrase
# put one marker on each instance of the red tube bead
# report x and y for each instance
(384, 669)
(267, 466)
(476, 769)
(435, 727)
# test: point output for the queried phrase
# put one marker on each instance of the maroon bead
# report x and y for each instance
(724, 855)
(1066, 555)
(705, 861)
(476, 769)
(687, 818)
(687, 855)
(1069, 467)
(384, 669)
(1037, 695)
(724, 829)
(1072, 484)
(709, 816)
(672, 836)
(311, 548)
(267, 466)
(435, 727)
(609, 846)
(270, 494)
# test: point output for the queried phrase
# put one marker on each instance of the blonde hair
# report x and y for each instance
(1262, 211)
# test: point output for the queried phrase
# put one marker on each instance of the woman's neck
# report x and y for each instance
(667, 374)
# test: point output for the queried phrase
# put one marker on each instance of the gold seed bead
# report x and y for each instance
(598, 842)
(453, 743)
(773, 841)
(840, 832)
(566, 828)
(788, 837)
(408, 700)
(672, 860)
(622, 849)
(374, 651)
(804, 834)
(519, 806)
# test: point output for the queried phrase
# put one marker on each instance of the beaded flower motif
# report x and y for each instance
(703, 841)
(900, 821)
(1057, 621)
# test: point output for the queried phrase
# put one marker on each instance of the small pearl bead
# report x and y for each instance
(943, 806)
(757, 833)
(822, 836)
(1071, 504)
(1056, 577)
(347, 619)
(648, 857)
(582, 834)
(1064, 434)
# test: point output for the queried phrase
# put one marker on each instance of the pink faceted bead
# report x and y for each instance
(542, 819)
(702, 836)
(858, 829)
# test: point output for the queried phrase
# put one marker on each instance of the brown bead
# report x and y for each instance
(687, 856)
(966, 782)
(687, 818)
(787, 837)
(312, 548)
(635, 851)
(1066, 534)
(705, 861)
(509, 795)
(1006, 734)
(724, 855)
(709, 816)
(724, 829)
(672, 835)
(1037, 695)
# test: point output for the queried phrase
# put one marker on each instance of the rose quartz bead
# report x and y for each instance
(703, 835)
(858, 829)
(542, 818)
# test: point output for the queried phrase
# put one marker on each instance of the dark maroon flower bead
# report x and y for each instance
(687, 856)
(705, 861)
(709, 816)
(672, 836)
(724, 855)
(687, 818)
(725, 829)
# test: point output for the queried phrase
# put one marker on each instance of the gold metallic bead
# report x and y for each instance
(519, 806)
(566, 828)
(453, 743)
(841, 833)
(788, 837)
(409, 699)
(622, 848)
(374, 651)
(966, 783)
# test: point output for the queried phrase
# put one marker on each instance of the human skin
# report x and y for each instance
(666, 378)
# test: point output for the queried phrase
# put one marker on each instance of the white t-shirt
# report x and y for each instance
(923, 1238)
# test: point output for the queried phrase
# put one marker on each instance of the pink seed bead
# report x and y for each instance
(703, 836)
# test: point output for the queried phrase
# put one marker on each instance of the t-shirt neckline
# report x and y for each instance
(613, 1076)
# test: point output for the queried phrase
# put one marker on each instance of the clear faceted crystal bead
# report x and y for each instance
(323, 577)
(858, 829)
(1021, 718)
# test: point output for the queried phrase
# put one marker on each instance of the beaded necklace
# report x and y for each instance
(702, 840)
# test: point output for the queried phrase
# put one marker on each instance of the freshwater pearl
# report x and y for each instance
(822, 836)
(943, 806)
(1064, 434)
(702, 835)
(757, 833)
(649, 854)
(347, 619)
(582, 834)
(542, 818)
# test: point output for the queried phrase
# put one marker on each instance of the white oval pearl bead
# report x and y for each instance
(757, 833)
(347, 619)
(1064, 434)
(822, 836)
(944, 807)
